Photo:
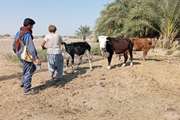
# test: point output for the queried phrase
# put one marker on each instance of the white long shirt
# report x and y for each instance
(53, 43)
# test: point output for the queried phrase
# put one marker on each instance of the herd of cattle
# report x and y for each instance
(108, 47)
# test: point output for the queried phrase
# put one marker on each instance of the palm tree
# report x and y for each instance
(163, 17)
(112, 18)
(169, 13)
(142, 18)
(83, 32)
(139, 21)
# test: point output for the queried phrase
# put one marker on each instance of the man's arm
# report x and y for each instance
(14, 46)
(30, 46)
(43, 45)
(14, 42)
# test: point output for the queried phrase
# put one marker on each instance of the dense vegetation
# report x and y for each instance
(141, 18)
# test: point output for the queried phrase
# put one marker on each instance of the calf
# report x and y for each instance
(143, 44)
(79, 49)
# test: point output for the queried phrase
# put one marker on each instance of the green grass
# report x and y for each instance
(96, 50)
(12, 58)
(42, 55)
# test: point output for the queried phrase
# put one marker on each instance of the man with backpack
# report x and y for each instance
(24, 48)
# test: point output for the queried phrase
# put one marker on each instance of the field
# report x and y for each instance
(149, 90)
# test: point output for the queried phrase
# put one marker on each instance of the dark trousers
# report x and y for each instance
(28, 69)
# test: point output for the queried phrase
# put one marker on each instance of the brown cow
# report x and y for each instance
(143, 44)
(118, 45)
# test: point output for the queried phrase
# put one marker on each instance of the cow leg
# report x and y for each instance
(131, 57)
(89, 59)
(120, 56)
(67, 58)
(145, 54)
(72, 62)
(67, 62)
(131, 53)
(125, 59)
(109, 60)
(79, 61)
(90, 63)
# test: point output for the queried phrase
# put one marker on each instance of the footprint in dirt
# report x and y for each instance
(171, 114)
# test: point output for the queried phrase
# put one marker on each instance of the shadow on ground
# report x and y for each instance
(128, 64)
(19, 74)
(16, 75)
(66, 79)
(149, 59)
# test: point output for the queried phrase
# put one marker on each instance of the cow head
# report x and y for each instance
(102, 42)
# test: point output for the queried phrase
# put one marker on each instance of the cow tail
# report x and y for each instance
(89, 51)
(89, 48)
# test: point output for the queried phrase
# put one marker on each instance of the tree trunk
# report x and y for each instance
(84, 38)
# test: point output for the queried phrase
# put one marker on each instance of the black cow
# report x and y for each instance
(79, 49)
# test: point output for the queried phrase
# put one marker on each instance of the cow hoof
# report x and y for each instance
(131, 64)
(123, 65)
(109, 67)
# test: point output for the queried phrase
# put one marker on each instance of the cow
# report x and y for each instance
(118, 45)
(79, 49)
(143, 44)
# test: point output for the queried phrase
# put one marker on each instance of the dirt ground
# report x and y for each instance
(147, 91)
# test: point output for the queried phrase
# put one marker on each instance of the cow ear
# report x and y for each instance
(108, 38)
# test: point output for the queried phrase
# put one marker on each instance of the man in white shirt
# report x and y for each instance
(52, 42)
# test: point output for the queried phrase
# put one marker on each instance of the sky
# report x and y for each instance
(67, 15)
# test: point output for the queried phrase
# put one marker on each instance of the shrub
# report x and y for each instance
(6, 35)
(159, 44)
(96, 50)
(42, 55)
(178, 48)
(169, 52)
(12, 58)
(176, 53)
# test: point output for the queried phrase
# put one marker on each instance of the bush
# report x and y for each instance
(12, 58)
(6, 35)
(178, 48)
(159, 44)
(176, 53)
(96, 50)
(169, 52)
(42, 55)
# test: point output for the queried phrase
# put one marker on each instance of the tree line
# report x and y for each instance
(141, 18)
